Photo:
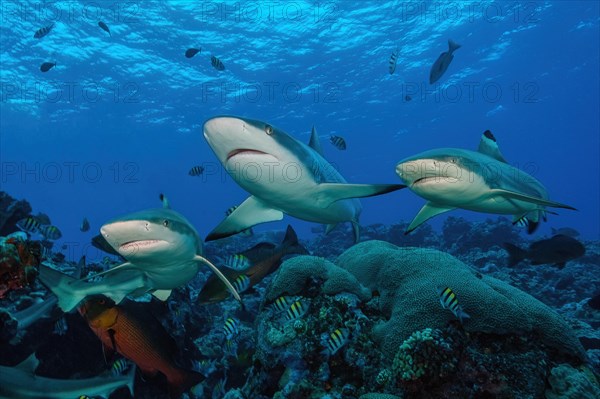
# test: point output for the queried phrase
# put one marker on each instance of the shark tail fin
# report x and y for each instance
(59, 284)
(291, 243)
(452, 46)
(515, 254)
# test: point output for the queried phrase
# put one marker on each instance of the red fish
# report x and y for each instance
(130, 331)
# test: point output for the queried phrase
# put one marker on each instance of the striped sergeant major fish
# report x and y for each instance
(196, 170)
(393, 61)
(296, 310)
(230, 328)
(336, 340)
(29, 225)
(43, 31)
(338, 142)
(119, 367)
(242, 283)
(217, 63)
(449, 301)
(282, 303)
(237, 262)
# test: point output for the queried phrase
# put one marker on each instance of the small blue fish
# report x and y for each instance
(336, 340)
(237, 262)
(449, 301)
(297, 310)
(230, 329)
(85, 225)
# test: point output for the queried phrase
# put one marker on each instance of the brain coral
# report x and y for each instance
(407, 280)
(294, 273)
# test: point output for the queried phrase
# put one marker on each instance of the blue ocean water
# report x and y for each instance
(119, 119)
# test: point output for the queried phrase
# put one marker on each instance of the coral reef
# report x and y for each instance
(407, 279)
(11, 211)
(569, 383)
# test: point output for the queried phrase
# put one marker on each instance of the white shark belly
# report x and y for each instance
(501, 205)
(170, 275)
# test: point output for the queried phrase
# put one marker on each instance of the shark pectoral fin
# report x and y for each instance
(61, 285)
(120, 267)
(220, 276)
(29, 365)
(251, 212)
(163, 295)
(428, 211)
(328, 193)
(528, 198)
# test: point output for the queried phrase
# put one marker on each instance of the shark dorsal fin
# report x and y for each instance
(29, 365)
(165, 201)
(315, 142)
(489, 146)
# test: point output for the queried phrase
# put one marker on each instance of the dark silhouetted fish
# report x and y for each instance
(196, 171)
(85, 225)
(104, 27)
(133, 332)
(407, 98)
(393, 60)
(216, 63)
(338, 142)
(557, 250)
(264, 258)
(43, 31)
(440, 65)
(189, 53)
(565, 231)
(46, 66)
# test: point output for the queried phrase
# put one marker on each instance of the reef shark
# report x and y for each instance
(162, 252)
(21, 382)
(282, 175)
(480, 181)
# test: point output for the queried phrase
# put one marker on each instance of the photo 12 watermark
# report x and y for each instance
(71, 172)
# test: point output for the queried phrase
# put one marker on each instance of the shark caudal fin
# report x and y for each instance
(60, 284)
(291, 243)
(515, 254)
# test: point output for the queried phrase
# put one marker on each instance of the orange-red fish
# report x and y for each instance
(138, 337)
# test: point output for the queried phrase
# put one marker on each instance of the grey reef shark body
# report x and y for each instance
(21, 382)
(162, 251)
(480, 181)
(288, 177)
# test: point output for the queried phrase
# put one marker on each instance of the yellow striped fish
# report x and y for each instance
(449, 301)
(119, 367)
(282, 303)
(336, 340)
(230, 329)
(237, 262)
(29, 225)
(297, 310)
(241, 283)
(50, 232)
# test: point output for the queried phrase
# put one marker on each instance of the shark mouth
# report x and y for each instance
(132, 245)
(244, 151)
(425, 179)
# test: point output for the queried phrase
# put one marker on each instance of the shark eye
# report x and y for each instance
(269, 129)
(166, 223)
